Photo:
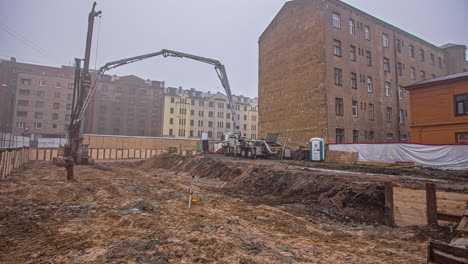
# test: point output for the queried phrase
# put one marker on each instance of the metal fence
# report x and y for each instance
(9, 141)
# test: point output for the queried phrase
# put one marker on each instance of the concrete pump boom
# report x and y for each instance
(219, 67)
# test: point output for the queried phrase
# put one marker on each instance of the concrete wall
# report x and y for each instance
(116, 142)
(433, 112)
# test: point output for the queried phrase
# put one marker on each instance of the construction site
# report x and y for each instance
(329, 175)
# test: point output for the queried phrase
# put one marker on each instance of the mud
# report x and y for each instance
(249, 212)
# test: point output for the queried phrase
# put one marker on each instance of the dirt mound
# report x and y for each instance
(316, 193)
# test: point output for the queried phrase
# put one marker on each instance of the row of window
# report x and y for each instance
(369, 83)
(369, 136)
(336, 22)
(212, 104)
(42, 83)
(41, 104)
(219, 134)
(40, 115)
(339, 110)
(38, 125)
(131, 90)
(220, 124)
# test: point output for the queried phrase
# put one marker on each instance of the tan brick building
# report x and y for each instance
(127, 106)
(40, 99)
(329, 70)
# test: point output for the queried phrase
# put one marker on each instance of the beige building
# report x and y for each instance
(329, 70)
(190, 113)
(127, 106)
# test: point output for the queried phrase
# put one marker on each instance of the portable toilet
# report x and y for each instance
(317, 149)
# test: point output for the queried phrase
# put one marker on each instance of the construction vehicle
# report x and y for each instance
(252, 148)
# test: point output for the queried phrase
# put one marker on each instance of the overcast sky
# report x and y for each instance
(53, 32)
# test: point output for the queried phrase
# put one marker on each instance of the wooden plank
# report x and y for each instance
(409, 208)
(153, 153)
(389, 213)
(449, 218)
(452, 196)
(456, 208)
(409, 220)
(409, 194)
(446, 248)
(431, 201)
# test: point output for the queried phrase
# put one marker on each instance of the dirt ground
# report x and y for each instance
(248, 212)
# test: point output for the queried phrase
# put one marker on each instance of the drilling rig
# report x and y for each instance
(82, 84)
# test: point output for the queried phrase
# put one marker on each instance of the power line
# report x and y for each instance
(29, 43)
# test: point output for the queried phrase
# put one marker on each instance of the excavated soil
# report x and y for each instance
(248, 212)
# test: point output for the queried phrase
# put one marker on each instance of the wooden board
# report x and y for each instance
(342, 157)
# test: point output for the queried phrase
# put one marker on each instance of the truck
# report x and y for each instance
(252, 148)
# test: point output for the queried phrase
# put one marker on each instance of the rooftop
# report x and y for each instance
(462, 75)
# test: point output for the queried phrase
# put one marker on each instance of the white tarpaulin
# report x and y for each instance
(445, 157)
(51, 142)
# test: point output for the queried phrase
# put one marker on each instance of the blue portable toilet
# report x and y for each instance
(317, 149)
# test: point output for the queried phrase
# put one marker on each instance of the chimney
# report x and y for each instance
(13, 59)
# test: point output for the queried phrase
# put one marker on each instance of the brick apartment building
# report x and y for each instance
(329, 70)
(127, 106)
(189, 113)
(37, 97)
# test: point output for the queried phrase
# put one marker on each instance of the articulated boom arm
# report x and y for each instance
(220, 70)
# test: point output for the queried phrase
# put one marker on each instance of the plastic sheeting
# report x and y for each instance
(445, 157)
(51, 142)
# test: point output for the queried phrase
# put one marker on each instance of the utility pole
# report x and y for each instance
(82, 83)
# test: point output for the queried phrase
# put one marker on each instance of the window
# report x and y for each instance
(387, 87)
(210, 134)
(337, 48)
(403, 138)
(389, 137)
(71, 86)
(40, 93)
(42, 83)
(339, 135)
(21, 114)
(23, 102)
(171, 110)
(220, 114)
(399, 69)
(432, 59)
(172, 99)
(355, 109)
(370, 87)
(39, 104)
(56, 105)
(369, 58)
(461, 104)
(210, 114)
(352, 29)
(58, 85)
(37, 125)
(38, 115)
(401, 116)
(245, 126)
(423, 75)
(104, 87)
(461, 138)
(338, 76)
(386, 65)
(385, 40)
(371, 136)
(370, 112)
(355, 136)
(389, 115)
(200, 123)
(339, 106)
(412, 73)
(55, 116)
(400, 92)
(56, 95)
(228, 115)
(67, 117)
(200, 113)
(210, 123)
(211, 104)
(228, 125)
(171, 132)
(220, 124)
(336, 20)
(440, 62)
(103, 97)
(192, 112)
(69, 106)
(24, 92)
(25, 81)
(201, 103)
(411, 51)
(171, 121)
(421, 54)
(103, 108)
(352, 53)
(20, 124)
(398, 45)
(367, 33)
(245, 117)
(353, 80)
